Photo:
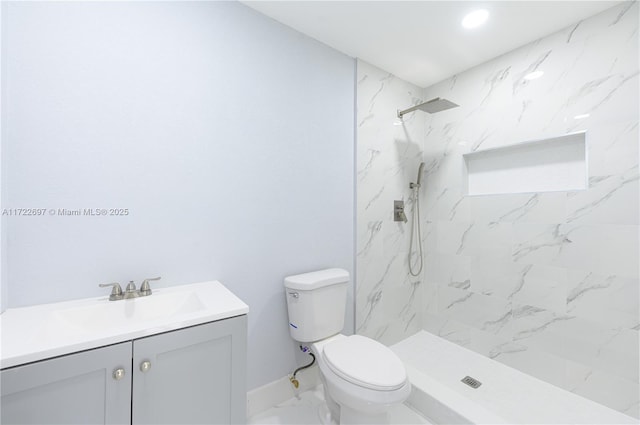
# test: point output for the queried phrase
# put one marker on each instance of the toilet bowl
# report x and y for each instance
(362, 378)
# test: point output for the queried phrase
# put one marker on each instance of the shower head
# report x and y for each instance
(432, 106)
(436, 105)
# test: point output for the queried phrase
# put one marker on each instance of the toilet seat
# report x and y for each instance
(366, 363)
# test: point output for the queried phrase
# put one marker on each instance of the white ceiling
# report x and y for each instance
(423, 41)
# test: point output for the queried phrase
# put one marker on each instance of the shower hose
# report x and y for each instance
(416, 217)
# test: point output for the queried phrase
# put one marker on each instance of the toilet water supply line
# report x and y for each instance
(292, 378)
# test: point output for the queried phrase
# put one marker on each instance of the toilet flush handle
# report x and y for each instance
(294, 294)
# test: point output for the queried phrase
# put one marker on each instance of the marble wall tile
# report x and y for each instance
(541, 364)
(448, 329)
(389, 302)
(371, 288)
(395, 331)
(487, 240)
(547, 283)
(619, 355)
(610, 350)
(397, 313)
(612, 391)
(499, 277)
(605, 299)
(610, 199)
(538, 328)
(429, 298)
(613, 148)
(452, 205)
(429, 237)
(536, 243)
(451, 236)
(528, 284)
(521, 208)
(600, 249)
(492, 345)
(543, 287)
(556, 272)
(449, 270)
(486, 313)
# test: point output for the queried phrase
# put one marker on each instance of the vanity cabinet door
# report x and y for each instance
(195, 375)
(80, 388)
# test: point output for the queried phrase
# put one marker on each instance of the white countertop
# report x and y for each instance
(39, 332)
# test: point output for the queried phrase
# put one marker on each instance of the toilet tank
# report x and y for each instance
(316, 303)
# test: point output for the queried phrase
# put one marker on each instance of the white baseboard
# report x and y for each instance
(276, 392)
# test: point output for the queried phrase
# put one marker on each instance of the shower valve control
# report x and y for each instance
(398, 211)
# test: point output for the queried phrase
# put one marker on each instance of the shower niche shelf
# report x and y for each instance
(547, 165)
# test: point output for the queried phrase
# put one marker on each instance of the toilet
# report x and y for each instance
(362, 378)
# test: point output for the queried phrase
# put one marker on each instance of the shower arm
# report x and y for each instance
(406, 111)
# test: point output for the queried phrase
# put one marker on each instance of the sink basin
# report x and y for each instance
(38, 332)
(116, 314)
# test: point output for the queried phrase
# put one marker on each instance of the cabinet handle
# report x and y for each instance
(118, 374)
(145, 366)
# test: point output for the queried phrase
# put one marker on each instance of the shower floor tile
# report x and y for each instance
(303, 410)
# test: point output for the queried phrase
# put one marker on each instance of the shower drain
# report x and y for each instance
(473, 383)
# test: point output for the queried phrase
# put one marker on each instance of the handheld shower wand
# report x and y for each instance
(416, 185)
(416, 217)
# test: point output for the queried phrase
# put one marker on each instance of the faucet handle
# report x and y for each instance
(116, 292)
(145, 289)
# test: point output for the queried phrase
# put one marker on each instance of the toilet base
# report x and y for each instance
(332, 413)
(324, 414)
(354, 417)
(351, 417)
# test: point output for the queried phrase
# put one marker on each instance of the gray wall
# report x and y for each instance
(228, 136)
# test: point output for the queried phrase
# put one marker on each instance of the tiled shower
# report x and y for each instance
(545, 282)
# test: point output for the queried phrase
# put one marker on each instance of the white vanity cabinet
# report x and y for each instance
(194, 375)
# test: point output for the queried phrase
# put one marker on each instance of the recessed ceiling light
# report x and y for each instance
(475, 19)
(533, 75)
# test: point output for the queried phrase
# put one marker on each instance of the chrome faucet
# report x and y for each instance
(130, 291)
